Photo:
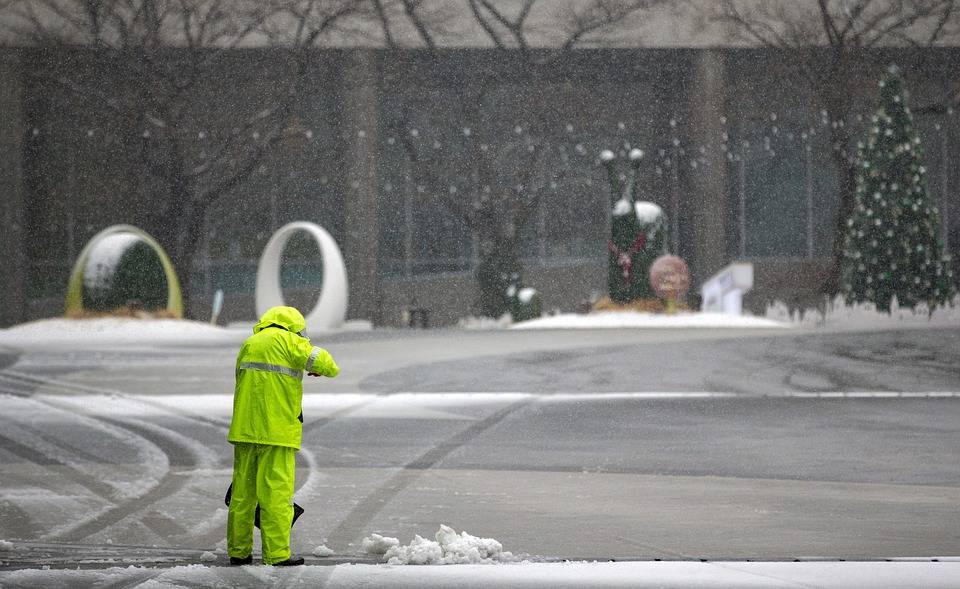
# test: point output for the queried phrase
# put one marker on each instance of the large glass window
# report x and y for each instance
(786, 190)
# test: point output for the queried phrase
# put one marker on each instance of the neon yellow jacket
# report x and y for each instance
(270, 369)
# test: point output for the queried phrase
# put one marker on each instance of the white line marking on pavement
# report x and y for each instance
(776, 395)
(462, 398)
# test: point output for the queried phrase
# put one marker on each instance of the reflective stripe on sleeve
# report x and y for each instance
(313, 358)
(272, 368)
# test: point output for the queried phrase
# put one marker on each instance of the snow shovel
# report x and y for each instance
(297, 510)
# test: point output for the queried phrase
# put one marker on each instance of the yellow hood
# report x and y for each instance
(286, 317)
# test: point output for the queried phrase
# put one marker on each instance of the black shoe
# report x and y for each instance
(238, 561)
(290, 562)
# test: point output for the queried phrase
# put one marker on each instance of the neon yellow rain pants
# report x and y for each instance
(264, 474)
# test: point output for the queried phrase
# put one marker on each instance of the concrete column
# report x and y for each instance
(706, 198)
(13, 258)
(360, 108)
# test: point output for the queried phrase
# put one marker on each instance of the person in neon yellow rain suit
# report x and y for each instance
(265, 432)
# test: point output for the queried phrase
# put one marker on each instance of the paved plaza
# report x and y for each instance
(678, 445)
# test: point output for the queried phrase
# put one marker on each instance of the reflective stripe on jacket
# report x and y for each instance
(269, 390)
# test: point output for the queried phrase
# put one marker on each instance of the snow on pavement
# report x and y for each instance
(115, 330)
(838, 315)
(835, 315)
(561, 575)
(144, 331)
(633, 319)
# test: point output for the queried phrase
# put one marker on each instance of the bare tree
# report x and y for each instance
(151, 71)
(835, 39)
(494, 178)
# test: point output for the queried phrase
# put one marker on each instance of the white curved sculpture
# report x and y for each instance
(331, 307)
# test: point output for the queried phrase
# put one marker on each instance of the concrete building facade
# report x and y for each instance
(737, 153)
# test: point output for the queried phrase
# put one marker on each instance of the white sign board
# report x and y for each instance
(723, 292)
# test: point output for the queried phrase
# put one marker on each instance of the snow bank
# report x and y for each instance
(322, 551)
(865, 315)
(837, 315)
(471, 322)
(114, 330)
(449, 548)
(633, 319)
(5, 545)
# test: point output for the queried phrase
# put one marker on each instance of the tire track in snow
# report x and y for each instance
(92, 484)
(106, 492)
(171, 482)
(31, 383)
(17, 520)
(163, 439)
(354, 524)
(213, 536)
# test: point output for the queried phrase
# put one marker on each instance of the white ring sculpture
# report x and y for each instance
(331, 307)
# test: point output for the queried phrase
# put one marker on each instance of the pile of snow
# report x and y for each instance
(377, 544)
(449, 548)
(322, 551)
(208, 556)
(111, 330)
(634, 319)
(865, 315)
(5, 545)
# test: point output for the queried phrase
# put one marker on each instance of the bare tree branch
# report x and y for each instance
(488, 27)
(412, 9)
(384, 23)
(152, 70)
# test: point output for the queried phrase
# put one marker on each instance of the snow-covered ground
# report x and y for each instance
(580, 575)
(632, 319)
(146, 426)
(116, 330)
(836, 316)
(865, 316)
(463, 561)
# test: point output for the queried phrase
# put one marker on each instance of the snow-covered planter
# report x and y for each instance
(638, 235)
(123, 268)
(523, 302)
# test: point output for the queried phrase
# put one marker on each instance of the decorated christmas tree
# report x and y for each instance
(638, 235)
(892, 247)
